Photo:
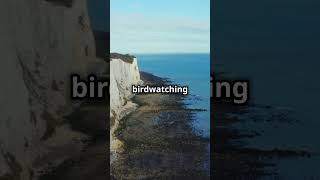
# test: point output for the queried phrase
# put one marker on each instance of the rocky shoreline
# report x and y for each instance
(158, 140)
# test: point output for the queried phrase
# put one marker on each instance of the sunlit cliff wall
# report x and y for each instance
(124, 73)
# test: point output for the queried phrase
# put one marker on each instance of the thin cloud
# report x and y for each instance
(141, 34)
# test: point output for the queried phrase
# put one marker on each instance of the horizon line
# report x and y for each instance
(152, 53)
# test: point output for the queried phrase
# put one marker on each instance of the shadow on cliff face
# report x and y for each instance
(102, 43)
(66, 3)
(90, 118)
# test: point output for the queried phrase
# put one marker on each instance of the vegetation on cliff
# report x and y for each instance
(124, 57)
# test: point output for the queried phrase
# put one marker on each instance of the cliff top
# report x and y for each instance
(124, 57)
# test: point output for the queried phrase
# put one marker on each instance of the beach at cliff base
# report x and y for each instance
(158, 139)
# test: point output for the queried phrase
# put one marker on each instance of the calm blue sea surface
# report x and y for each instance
(192, 70)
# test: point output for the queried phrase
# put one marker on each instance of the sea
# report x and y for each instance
(275, 45)
(192, 70)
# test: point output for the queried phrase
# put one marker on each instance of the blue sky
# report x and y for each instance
(166, 26)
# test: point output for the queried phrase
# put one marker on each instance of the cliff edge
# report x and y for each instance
(123, 74)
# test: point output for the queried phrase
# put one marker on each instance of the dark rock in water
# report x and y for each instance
(149, 78)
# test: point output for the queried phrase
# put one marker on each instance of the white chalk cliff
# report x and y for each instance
(124, 73)
(42, 42)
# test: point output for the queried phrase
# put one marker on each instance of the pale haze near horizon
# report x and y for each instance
(144, 26)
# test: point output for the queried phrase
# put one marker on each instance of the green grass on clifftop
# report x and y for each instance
(124, 57)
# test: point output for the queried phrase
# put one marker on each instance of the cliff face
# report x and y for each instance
(124, 73)
(42, 42)
(122, 76)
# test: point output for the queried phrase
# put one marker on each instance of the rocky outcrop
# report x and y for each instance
(124, 73)
(42, 42)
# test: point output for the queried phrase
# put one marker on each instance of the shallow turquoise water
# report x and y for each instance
(191, 70)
